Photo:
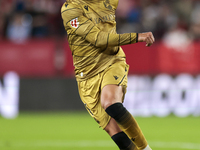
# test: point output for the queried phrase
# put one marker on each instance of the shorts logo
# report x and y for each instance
(116, 77)
(74, 23)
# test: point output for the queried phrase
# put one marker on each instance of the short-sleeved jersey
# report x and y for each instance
(92, 37)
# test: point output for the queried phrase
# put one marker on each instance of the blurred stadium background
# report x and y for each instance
(39, 103)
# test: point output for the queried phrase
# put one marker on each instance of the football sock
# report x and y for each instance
(123, 142)
(128, 124)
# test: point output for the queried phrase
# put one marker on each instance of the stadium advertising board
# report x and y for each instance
(146, 96)
(163, 95)
(9, 95)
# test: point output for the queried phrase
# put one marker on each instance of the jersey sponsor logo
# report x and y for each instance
(109, 17)
(74, 23)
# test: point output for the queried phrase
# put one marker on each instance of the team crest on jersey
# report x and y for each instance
(74, 23)
(107, 4)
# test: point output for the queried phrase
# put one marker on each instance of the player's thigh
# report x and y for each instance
(114, 84)
(111, 94)
(89, 91)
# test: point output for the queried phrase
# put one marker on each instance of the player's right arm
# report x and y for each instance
(77, 24)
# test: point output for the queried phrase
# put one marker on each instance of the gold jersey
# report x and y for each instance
(92, 37)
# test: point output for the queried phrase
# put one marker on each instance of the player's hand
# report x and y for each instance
(146, 37)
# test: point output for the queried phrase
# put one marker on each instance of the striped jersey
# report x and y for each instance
(92, 37)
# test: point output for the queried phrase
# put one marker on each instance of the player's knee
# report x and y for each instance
(105, 104)
(108, 99)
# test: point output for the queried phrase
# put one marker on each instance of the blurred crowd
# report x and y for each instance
(167, 19)
(22, 19)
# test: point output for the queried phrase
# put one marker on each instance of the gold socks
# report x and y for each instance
(128, 124)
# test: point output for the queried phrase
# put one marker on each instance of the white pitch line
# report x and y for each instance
(60, 143)
(78, 144)
(180, 145)
(87, 143)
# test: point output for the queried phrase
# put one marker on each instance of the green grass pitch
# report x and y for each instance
(78, 131)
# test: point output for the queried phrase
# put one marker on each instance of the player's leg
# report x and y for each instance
(111, 101)
(90, 95)
(119, 137)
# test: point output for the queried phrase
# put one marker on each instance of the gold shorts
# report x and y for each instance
(90, 90)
